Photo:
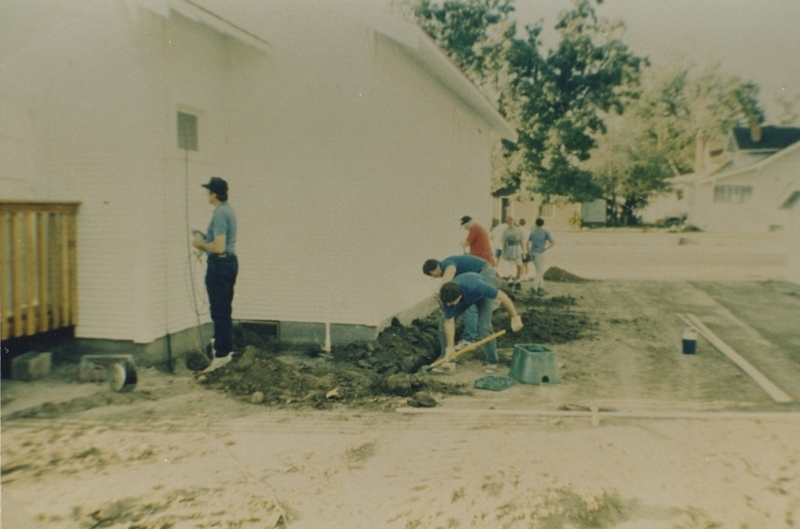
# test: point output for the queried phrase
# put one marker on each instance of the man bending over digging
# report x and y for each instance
(464, 291)
(456, 265)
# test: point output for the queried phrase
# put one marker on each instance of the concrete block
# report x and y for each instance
(94, 368)
(302, 333)
(343, 334)
(31, 366)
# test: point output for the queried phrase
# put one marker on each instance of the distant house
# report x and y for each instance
(741, 191)
(558, 214)
(352, 146)
(790, 204)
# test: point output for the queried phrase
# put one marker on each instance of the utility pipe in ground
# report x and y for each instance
(736, 415)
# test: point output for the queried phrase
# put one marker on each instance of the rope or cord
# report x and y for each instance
(273, 499)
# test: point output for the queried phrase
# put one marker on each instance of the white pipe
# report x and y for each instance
(327, 347)
(778, 415)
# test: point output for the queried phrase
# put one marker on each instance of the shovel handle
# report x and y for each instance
(467, 349)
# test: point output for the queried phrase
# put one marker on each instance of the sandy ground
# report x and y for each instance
(636, 434)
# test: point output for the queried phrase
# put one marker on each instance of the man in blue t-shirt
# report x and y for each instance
(467, 290)
(222, 268)
(540, 240)
(453, 266)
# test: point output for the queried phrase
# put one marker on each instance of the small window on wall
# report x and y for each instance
(732, 194)
(187, 131)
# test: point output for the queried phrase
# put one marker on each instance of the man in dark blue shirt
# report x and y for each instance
(447, 269)
(467, 290)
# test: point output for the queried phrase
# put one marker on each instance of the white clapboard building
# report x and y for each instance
(351, 144)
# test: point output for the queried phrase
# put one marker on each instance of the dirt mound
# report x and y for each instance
(370, 372)
(559, 275)
(359, 373)
(547, 321)
(398, 349)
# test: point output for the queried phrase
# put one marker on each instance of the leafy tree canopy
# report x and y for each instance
(593, 120)
(657, 136)
(555, 99)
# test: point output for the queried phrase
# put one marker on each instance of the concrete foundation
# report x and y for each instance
(156, 353)
(176, 346)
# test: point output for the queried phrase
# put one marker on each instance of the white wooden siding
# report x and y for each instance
(349, 165)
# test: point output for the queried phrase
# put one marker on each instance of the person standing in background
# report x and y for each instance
(477, 241)
(496, 238)
(526, 248)
(222, 268)
(512, 251)
(540, 240)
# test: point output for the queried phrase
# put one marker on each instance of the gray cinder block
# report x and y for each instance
(31, 366)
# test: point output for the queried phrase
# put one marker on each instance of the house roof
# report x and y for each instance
(425, 52)
(790, 198)
(233, 19)
(772, 138)
(734, 170)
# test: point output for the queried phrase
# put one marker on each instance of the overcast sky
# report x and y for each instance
(757, 40)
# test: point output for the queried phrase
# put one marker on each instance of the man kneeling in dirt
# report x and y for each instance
(457, 296)
(453, 266)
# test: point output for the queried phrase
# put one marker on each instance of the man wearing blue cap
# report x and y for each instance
(219, 242)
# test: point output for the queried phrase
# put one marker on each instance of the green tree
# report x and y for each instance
(628, 171)
(656, 137)
(556, 100)
(589, 74)
(679, 103)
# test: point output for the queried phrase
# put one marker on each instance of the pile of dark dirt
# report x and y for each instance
(361, 373)
(546, 321)
(318, 382)
(560, 275)
(398, 349)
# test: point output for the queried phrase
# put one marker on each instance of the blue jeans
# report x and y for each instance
(220, 277)
(483, 308)
(471, 314)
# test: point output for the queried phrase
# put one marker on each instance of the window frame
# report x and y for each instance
(732, 194)
(196, 115)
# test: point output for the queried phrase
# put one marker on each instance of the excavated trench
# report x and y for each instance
(366, 373)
